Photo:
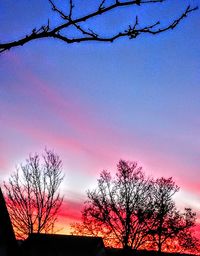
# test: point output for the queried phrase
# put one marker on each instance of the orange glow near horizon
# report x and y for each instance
(62, 226)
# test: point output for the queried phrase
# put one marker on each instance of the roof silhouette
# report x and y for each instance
(8, 243)
(60, 245)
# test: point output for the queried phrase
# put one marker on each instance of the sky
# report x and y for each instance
(97, 103)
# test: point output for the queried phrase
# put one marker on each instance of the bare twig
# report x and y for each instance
(68, 20)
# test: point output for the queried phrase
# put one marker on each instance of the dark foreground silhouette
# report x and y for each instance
(120, 252)
(8, 243)
(70, 245)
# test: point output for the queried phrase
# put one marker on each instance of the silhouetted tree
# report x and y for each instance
(170, 226)
(79, 22)
(33, 199)
(132, 211)
(119, 208)
(186, 239)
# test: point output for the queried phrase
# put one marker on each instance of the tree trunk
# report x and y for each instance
(159, 248)
(127, 250)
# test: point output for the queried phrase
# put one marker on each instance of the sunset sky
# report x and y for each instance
(96, 103)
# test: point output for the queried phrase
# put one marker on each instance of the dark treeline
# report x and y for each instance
(129, 210)
(120, 252)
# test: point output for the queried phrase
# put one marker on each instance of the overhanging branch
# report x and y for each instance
(59, 32)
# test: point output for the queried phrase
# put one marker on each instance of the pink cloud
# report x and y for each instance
(92, 135)
(3, 162)
(65, 106)
(71, 210)
(190, 185)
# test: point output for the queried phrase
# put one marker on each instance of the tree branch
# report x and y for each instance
(59, 32)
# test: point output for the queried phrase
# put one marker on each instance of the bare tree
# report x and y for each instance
(170, 227)
(186, 239)
(76, 20)
(119, 207)
(135, 212)
(33, 199)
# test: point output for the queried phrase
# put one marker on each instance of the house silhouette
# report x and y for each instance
(8, 243)
(63, 245)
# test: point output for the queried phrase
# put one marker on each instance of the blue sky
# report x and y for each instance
(95, 103)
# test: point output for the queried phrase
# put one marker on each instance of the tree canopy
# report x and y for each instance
(133, 211)
(170, 227)
(32, 194)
